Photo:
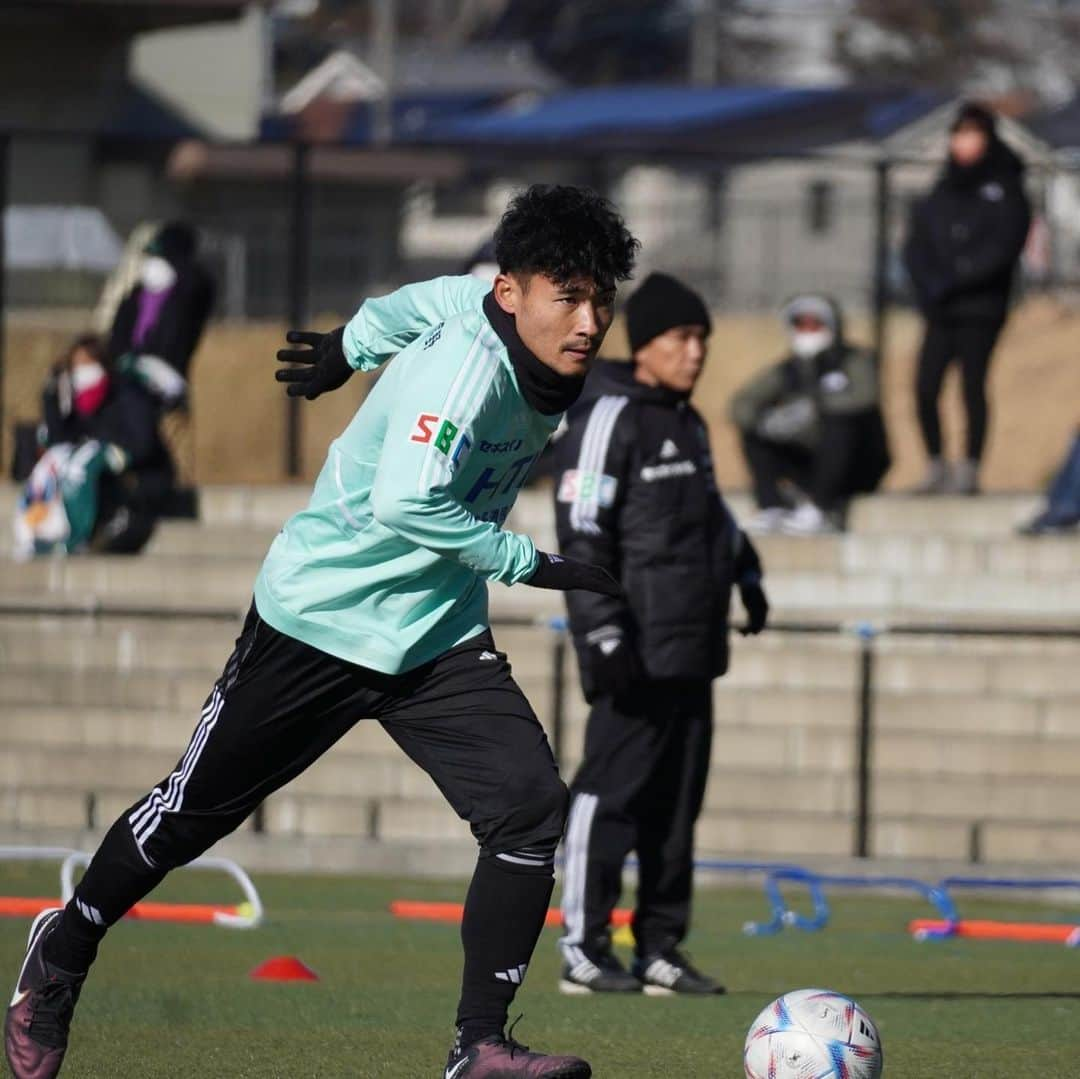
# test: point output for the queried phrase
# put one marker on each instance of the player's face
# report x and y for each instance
(561, 323)
(673, 359)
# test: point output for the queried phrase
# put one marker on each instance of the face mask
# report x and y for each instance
(89, 385)
(157, 274)
(807, 344)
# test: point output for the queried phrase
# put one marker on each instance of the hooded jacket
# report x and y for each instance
(965, 238)
(792, 400)
(635, 493)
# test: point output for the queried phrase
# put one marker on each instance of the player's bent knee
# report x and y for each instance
(543, 815)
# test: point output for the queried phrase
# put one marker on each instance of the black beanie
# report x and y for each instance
(660, 303)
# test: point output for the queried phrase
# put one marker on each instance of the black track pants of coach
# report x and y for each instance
(640, 788)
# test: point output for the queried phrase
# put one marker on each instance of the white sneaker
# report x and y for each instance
(766, 521)
(806, 520)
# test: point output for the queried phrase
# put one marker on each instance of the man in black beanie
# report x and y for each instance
(962, 250)
(635, 493)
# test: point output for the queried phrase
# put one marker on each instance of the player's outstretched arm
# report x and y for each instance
(383, 326)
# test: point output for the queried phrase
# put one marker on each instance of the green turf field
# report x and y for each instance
(173, 1001)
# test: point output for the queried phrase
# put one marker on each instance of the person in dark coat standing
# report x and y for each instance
(636, 494)
(963, 247)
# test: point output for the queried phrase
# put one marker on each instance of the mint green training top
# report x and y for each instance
(386, 567)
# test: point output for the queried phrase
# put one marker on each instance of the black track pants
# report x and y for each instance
(640, 788)
(971, 345)
(280, 704)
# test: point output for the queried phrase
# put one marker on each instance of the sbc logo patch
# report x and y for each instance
(428, 427)
(443, 434)
(578, 486)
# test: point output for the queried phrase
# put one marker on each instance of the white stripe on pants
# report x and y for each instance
(578, 831)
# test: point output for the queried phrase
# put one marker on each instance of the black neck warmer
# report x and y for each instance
(542, 387)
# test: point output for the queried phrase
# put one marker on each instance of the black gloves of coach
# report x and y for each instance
(616, 668)
(564, 574)
(748, 574)
(326, 367)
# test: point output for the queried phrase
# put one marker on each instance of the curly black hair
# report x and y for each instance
(565, 232)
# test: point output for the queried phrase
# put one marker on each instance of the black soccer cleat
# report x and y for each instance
(39, 1016)
(497, 1057)
(596, 972)
(670, 973)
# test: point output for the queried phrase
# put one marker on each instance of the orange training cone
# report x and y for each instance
(284, 968)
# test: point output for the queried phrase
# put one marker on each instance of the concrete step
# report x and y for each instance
(175, 581)
(907, 838)
(405, 820)
(179, 580)
(1030, 842)
(42, 807)
(269, 506)
(124, 645)
(72, 730)
(899, 551)
(914, 555)
(95, 688)
(84, 768)
(987, 515)
(771, 834)
(945, 756)
(202, 646)
(741, 791)
(973, 798)
(211, 541)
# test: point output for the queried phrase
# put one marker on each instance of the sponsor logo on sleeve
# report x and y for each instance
(426, 423)
(444, 435)
(428, 427)
(577, 486)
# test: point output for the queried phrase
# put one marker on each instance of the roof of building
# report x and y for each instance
(346, 75)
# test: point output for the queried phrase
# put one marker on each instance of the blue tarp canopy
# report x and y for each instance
(696, 119)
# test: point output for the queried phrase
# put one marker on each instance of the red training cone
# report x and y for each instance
(284, 968)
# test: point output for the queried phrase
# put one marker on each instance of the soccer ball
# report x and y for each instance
(813, 1034)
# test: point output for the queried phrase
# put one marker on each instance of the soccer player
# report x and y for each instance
(372, 603)
(636, 494)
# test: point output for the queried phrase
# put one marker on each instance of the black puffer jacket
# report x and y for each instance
(635, 493)
(966, 236)
(176, 333)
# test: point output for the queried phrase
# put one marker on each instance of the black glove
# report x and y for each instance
(616, 668)
(325, 365)
(748, 575)
(565, 574)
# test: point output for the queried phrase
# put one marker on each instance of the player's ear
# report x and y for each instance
(507, 291)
